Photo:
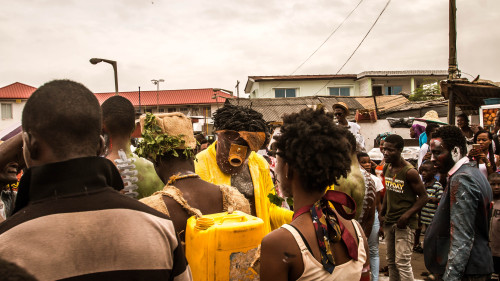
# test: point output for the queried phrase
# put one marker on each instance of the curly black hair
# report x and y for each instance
(452, 136)
(314, 147)
(239, 118)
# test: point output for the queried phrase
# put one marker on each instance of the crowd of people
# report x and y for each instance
(91, 206)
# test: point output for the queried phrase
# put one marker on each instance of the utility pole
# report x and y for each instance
(238, 90)
(453, 71)
(157, 83)
(140, 112)
(216, 93)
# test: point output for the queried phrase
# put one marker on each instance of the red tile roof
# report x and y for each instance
(16, 91)
(167, 97)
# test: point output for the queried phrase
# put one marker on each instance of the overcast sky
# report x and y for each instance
(214, 43)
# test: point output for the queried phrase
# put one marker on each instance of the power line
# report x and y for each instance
(331, 34)
(321, 45)
(366, 35)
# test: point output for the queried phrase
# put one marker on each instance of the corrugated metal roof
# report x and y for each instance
(169, 97)
(16, 91)
(443, 73)
(274, 108)
(469, 96)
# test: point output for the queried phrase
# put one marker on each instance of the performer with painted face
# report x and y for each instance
(232, 160)
(456, 242)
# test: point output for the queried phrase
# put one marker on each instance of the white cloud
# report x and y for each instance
(197, 44)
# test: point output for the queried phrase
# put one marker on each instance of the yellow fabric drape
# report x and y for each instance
(272, 215)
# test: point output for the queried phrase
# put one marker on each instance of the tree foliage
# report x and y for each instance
(426, 92)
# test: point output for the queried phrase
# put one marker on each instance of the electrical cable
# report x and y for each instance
(366, 35)
(321, 45)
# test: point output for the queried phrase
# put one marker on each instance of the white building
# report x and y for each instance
(363, 84)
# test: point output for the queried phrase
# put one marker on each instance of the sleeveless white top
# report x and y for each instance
(313, 270)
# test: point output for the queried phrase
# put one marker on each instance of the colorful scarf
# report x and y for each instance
(328, 228)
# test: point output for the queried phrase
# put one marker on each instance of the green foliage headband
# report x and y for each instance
(155, 142)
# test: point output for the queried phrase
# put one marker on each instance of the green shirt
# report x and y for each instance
(400, 196)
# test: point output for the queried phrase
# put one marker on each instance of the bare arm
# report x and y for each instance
(413, 179)
(12, 151)
(275, 262)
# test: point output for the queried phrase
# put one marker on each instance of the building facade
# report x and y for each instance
(198, 104)
(367, 83)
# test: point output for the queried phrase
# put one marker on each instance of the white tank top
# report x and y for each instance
(313, 270)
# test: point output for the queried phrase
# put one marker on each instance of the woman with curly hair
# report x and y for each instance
(322, 242)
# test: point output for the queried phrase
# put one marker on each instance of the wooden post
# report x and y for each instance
(451, 106)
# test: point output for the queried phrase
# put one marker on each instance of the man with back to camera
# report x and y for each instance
(456, 242)
(404, 198)
(232, 160)
(68, 222)
(118, 123)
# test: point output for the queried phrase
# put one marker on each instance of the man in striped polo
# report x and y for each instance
(69, 221)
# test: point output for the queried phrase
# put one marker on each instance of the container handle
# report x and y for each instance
(241, 218)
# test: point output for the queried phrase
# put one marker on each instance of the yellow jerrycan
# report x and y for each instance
(224, 246)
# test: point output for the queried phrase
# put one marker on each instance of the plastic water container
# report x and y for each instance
(224, 246)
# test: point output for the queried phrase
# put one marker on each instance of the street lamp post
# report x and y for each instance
(113, 63)
(157, 83)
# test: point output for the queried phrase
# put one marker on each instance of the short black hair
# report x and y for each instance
(118, 116)
(465, 117)
(452, 136)
(314, 147)
(430, 127)
(362, 154)
(397, 140)
(66, 115)
(427, 162)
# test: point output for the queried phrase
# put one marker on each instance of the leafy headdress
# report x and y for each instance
(164, 134)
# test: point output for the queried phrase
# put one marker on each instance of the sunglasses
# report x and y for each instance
(339, 114)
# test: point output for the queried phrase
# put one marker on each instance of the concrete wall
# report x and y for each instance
(305, 87)
(365, 87)
(370, 130)
(17, 111)
(361, 87)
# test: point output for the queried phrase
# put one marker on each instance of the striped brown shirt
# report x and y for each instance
(70, 224)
